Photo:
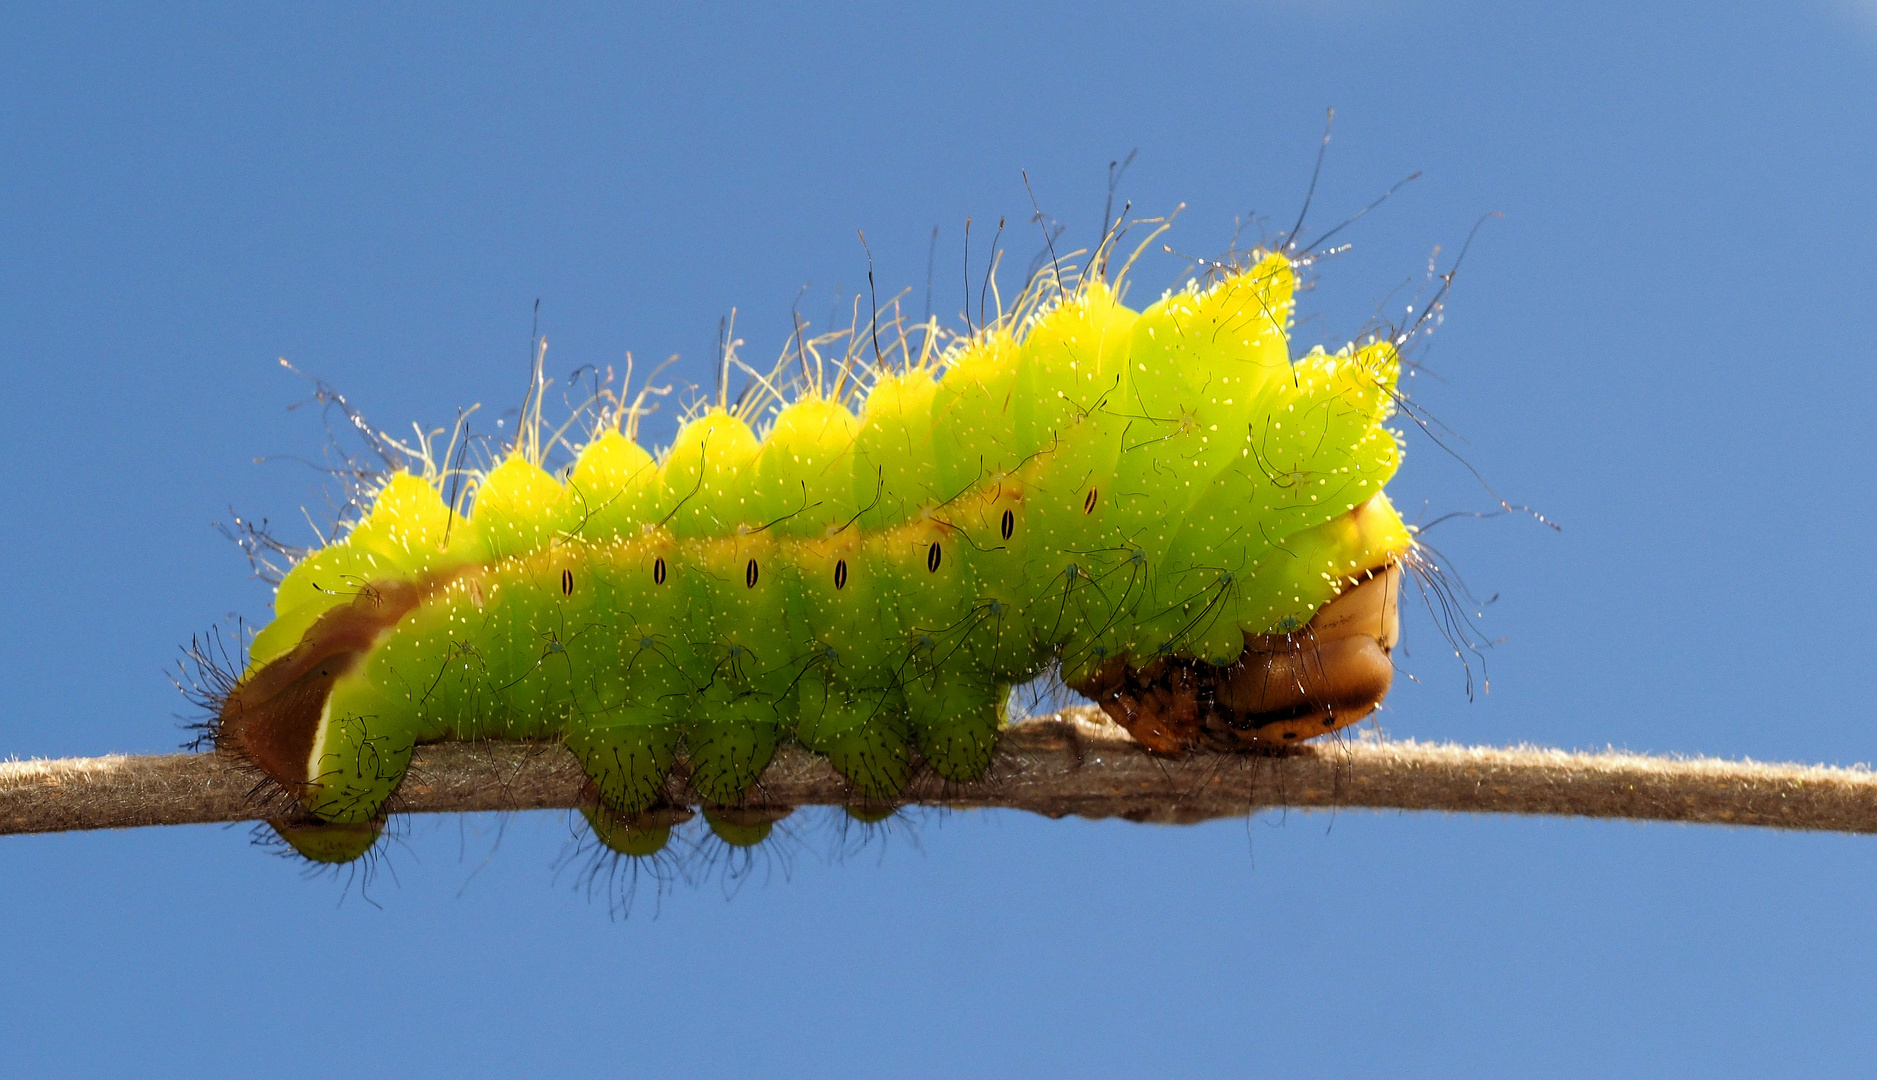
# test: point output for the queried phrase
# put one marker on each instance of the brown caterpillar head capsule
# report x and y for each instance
(1283, 689)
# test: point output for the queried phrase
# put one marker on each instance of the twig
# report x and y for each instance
(1071, 764)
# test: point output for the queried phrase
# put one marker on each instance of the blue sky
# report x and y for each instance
(1663, 345)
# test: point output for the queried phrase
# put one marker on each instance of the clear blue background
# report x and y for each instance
(1665, 345)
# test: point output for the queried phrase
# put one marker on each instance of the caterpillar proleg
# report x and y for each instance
(1166, 504)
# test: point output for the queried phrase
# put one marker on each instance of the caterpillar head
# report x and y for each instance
(1284, 687)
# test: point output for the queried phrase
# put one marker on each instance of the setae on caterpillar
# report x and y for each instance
(1166, 505)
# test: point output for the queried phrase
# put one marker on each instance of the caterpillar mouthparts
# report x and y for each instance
(1166, 505)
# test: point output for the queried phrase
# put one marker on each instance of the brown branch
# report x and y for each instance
(1072, 764)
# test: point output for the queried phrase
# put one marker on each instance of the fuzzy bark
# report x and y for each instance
(1073, 764)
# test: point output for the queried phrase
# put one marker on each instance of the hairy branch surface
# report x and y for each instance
(1072, 764)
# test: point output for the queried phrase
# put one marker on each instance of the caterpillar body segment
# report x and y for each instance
(1187, 520)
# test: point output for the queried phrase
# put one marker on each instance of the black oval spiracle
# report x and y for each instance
(933, 555)
(840, 573)
(658, 570)
(1088, 504)
(749, 575)
(1008, 525)
(566, 582)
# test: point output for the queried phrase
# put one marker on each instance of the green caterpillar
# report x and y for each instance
(1186, 519)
